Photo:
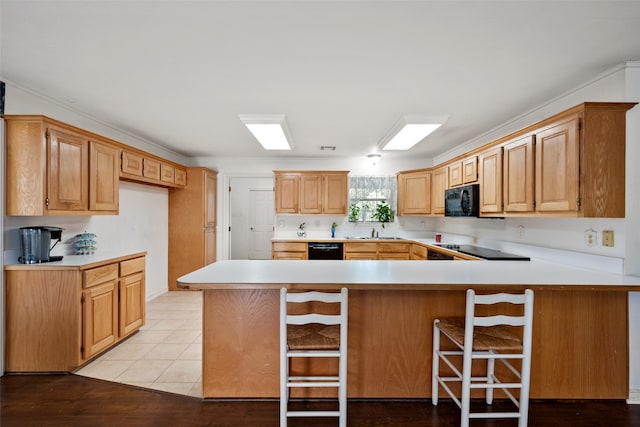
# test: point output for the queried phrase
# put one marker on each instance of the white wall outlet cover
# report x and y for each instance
(590, 237)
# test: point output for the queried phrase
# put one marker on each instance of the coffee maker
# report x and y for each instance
(35, 244)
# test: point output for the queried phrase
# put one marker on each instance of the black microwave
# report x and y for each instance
(462, 201)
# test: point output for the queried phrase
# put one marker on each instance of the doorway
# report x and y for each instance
(251, 217)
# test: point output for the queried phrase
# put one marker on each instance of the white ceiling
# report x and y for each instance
(178, 73)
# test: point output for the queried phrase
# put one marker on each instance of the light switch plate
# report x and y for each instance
(607, 238)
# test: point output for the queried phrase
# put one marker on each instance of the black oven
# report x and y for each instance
(462, 201)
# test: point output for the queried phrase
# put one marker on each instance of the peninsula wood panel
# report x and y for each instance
(579, 343)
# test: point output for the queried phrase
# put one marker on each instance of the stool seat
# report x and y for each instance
(313, 336)
(499, 337)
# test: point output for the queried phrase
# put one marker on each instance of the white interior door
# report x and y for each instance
(261, 212)
(243, 205)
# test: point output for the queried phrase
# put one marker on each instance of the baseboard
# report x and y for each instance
(634, 396)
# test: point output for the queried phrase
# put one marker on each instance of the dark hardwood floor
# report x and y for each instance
(70, 400)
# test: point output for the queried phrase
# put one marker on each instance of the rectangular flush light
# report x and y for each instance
(409, 130)
(270, 130)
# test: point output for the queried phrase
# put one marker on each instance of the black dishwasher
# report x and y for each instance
(321, 250)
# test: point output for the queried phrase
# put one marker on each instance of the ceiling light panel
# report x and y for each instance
(410, 130)
(270, 130)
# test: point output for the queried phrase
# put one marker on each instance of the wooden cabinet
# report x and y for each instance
(414, 193)
(57, 319)
(132, 296)
(287, 192)
(137, 166)
(192, 224)
(418, 252)
(360, 250)
(455, 174)
(393, 250)
(518, 171)
(103, 177)
(56, 169)
(440, 184)
(470, 170)
(311, 192)
(377, 250)
(289, 250)
(335, 188)
(490, 171)
(557, 167)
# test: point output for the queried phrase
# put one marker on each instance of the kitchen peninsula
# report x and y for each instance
(580, 343)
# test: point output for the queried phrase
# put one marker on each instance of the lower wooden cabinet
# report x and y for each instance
(58, 318)
(289, 250)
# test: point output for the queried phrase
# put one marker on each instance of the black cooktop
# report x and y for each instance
(485, 253)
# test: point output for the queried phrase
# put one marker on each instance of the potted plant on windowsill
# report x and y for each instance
(383, 213)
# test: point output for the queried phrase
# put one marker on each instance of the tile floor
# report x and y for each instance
(166, 354)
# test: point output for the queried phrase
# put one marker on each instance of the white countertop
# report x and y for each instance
(78, 261)
(398, 274)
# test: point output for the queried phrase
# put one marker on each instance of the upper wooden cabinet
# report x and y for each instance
(414, 193)
(455, 174)
(138, 166)
(518, 175)
(56, 169)
(470, 170)
(440, 184)
(490, 162)
(312, 192)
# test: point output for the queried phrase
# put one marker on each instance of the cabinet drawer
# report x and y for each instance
(99, 275)
(131, 266)
(394, 256)
(289, 247)
(394, 247)
(360, 247)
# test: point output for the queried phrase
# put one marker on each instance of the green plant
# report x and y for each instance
(383, 213)
(334, 224)
(301, 226)
(354, 213)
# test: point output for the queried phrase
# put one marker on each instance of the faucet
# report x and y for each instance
(373, 232)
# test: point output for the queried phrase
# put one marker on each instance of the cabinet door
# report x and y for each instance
(439, 185)
(310, 193)
(414, 193)
(490, 165)
(151, 169)
(470, 170)
(287, 192)
(455, 174)
(518, 175)
(132, 303)
(335, 194)
(557, 168)
(290, 255)
(103, 177)
(68, 178)
(100, 317)
(131, 163)
(209, 246)
(210, 189)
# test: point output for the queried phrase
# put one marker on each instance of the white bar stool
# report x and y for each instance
(313, 335)
(487, 338)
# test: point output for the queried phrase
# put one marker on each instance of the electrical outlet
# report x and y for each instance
(607, 238)
(590, 237)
